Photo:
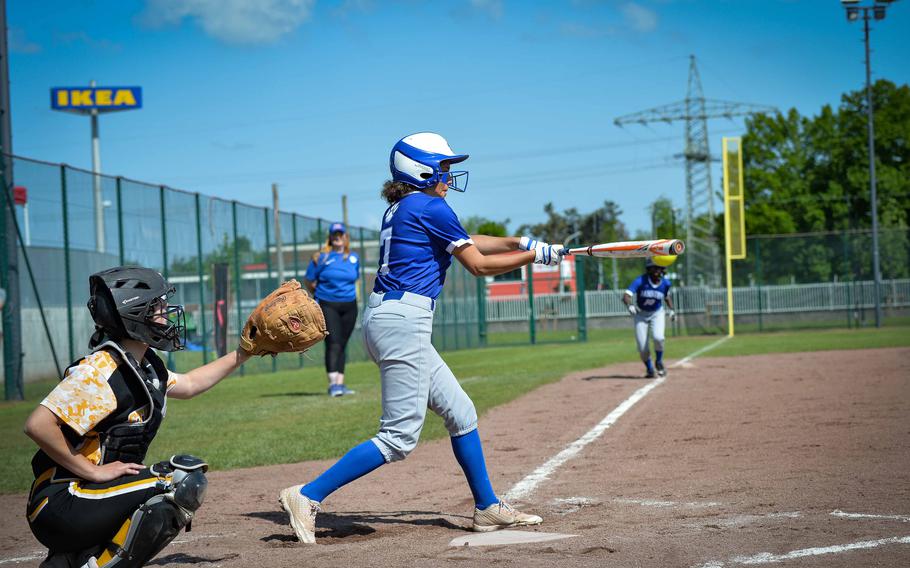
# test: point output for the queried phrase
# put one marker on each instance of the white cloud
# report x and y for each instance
(574, 29)
(69, 38)
(233, 21)
(493, 8)
(351, 7)
(19, 43)
(639, 18)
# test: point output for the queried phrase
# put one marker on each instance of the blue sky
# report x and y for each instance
(312, 94)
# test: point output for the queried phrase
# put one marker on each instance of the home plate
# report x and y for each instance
(499, 538)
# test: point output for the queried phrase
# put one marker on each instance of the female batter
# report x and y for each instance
(420, 233)
(331, 276)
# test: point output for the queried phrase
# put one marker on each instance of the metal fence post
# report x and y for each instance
(268, 266)
(161, 190)
(120, 248)
(363, 273)
(294, 247)
(296, 269)
(199, 270)
(482, 310)
(237, 277)
(459, 317)
(66, 264)
(532, 328)
(759, 281)
(580, 290)
(468, 313)
(848, 270)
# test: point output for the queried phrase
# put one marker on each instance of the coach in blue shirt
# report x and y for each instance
(331, 276)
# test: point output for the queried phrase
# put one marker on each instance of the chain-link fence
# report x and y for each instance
(75, 223)
(785, 282)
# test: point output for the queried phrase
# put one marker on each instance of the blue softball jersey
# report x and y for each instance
(334, 276)
(649, 297)
(418, 236)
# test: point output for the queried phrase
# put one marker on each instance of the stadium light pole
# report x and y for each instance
(873, 11)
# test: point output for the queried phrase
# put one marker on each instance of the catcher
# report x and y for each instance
(93, 503)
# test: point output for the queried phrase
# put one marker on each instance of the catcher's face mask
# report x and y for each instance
(166, 324)
(131, 302)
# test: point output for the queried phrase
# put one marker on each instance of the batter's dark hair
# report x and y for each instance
(393, 191)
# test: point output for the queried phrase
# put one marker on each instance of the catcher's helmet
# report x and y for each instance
(416, 160)
(125, 303)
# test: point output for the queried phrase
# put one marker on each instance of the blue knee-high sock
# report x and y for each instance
(469, 453)
(359, 461)
(660, 356)
(648, 365)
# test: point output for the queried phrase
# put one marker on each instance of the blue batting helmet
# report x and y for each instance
(417, 159)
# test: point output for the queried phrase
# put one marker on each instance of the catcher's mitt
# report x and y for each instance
(287, 320)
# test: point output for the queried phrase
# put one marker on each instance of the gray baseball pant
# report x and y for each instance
(656, 322)
(414, 377)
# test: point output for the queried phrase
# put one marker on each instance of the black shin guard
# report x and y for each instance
(159, 520)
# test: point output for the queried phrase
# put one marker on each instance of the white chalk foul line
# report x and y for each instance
(526, 486)
(36, 556)
(768, 558)
(41, 555)
(839, 513)
(704, 349)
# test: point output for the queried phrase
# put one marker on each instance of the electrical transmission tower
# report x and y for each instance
(702, 254)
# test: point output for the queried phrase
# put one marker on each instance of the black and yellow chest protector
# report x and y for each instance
(139, 388)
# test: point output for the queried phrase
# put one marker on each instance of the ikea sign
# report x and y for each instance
(101, 98)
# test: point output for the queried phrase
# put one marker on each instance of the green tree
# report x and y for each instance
(811, 174)
(665, 220)
(599, 226)
(478, 225)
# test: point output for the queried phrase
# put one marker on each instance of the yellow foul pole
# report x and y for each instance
(734, 215)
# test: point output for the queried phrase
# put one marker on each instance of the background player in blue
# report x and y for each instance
(420, 233)
(645, 298)
(331, 276)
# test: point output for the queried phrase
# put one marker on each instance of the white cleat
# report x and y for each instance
(302, 511)
(502, 516)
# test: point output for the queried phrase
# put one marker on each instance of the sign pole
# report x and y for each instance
(93, 101)
(96, 181)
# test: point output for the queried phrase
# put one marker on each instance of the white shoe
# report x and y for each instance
(501, 516)
(302, 511)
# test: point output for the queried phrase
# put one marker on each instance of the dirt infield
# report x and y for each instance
(783, 459)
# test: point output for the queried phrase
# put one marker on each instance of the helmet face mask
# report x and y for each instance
(422, 160)
(161, 325)
(131, 303)
(654, 270)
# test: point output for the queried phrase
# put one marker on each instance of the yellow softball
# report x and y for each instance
(664, 261)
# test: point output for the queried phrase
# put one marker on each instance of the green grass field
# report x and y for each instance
(286, 417)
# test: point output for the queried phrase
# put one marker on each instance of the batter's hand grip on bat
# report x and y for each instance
(633, 249)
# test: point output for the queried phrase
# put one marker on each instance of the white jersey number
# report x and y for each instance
(385, 243)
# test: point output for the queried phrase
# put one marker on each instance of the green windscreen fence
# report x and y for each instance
(76, 223)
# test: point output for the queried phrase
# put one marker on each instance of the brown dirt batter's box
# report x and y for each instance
(728, 459)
